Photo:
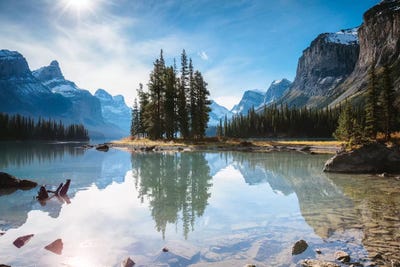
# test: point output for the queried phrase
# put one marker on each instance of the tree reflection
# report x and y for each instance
(23, 153)
(176, 186)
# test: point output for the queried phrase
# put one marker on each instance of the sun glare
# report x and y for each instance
(79, 4)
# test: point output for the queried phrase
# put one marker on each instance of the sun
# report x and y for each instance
(79, 5)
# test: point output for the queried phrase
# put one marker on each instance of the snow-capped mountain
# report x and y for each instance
(251, 98)
(276, 90)
(86, 108)
(114, 109)
(218, 113)
(46, 93)
(21, 92)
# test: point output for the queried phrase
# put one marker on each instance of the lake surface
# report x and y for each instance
(207, 208)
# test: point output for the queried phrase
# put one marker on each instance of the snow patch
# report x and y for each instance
(346, 37)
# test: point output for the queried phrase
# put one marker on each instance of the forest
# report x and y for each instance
(175, 105)
(17, 127)
(355, 122)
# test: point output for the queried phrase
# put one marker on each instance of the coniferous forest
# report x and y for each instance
(175, 105)
(17, 127)
(354, 123)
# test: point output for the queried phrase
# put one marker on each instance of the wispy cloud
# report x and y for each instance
(203, 55)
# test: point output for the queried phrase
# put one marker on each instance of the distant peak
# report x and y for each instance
(54, 63)
(50, 72)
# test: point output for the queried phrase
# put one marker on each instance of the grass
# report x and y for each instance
(224, 142)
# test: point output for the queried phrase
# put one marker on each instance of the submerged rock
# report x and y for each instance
(22, 240)
(55, 247)
(9, 181)
(102, 147)
(299, 247)
(318, 263)
(128, 262)
(342, 256)
(371, 158)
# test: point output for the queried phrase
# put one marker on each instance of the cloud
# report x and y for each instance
(203, 55)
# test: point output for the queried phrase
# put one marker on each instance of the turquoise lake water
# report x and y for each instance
(207, 208)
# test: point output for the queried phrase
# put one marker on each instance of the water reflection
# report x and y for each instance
(50, 164)
(23, 153)
(176, 186)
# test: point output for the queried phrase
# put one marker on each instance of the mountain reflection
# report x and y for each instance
(176, 186)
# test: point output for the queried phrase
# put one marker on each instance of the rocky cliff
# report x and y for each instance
(325, 64)
(379, 38)
(21, 92)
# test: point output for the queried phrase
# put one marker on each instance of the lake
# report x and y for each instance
(205, 208)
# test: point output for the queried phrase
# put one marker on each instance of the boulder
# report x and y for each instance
(318, 263)
(9, 181)
(371, 158)
(299, 247)
(55, 247)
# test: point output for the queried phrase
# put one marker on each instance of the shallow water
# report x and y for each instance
(208, 209)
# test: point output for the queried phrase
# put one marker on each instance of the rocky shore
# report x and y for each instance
(370, 158)
(237, 145)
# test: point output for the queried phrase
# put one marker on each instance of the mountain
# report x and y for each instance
(85, 109)
(21, 92)
(218, 113)
(276, 90)
(114, 110)
(379, 45)
(251, 98)
(46, 93)
(324, 65)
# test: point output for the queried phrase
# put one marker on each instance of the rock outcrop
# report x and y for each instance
(379, 43)
(325, 64)
(371, 158)
(9, 181)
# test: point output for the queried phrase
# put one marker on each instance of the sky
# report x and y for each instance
(237, 45)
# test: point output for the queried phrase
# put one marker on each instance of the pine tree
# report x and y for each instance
(371, 107)
(135, 121)
(143, 106)
(183, 116)
(170, 101)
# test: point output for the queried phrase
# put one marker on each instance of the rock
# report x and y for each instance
(299, 247)
(342, 256)
(318, 263)
(55, 247)
(102, 147)
(318, 251)
(371, 158)
(245, 144)
(165, 249)
(9, 181)
(128, 262)
(22, 240)
(149, 148)
(2, 233)
(3, 265)
(250, 265)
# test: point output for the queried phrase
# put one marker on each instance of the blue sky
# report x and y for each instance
(236, 44)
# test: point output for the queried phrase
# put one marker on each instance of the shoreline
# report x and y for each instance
(306, 146)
